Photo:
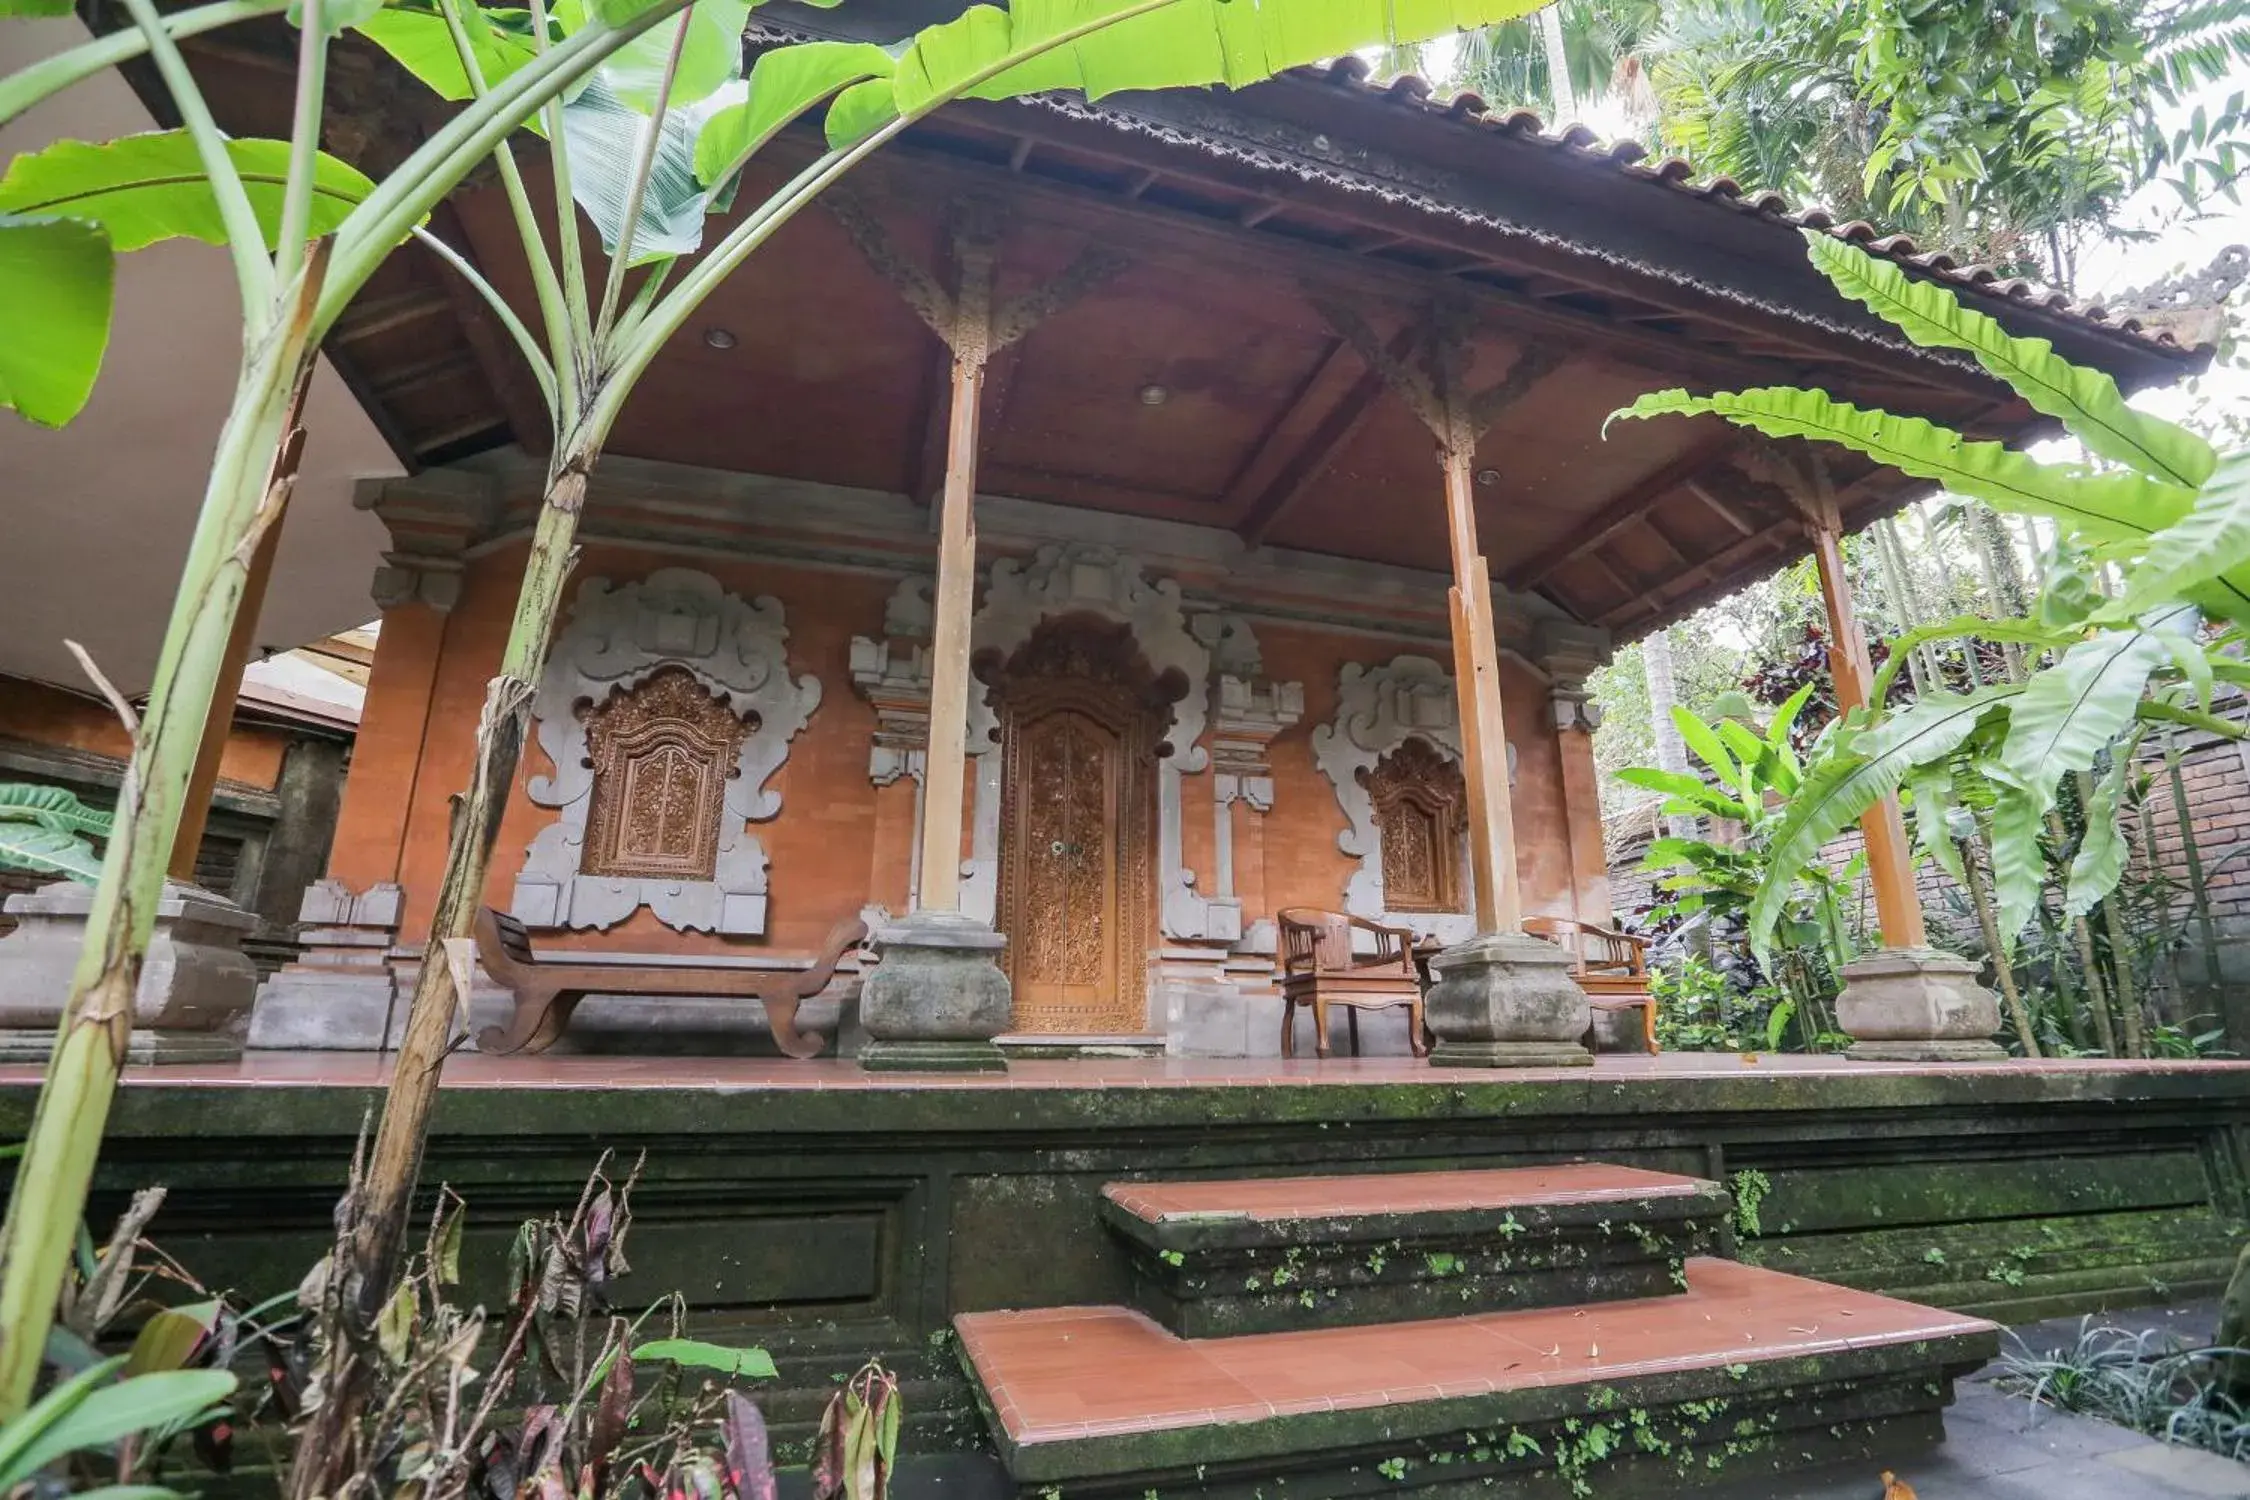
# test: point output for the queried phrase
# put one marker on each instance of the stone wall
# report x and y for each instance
(829, 1223)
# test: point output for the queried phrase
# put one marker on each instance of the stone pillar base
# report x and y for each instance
(932, 1057)
(1918, 1005)
(937, 997)
(196, 983)
(1506, 1000)
(341, 990)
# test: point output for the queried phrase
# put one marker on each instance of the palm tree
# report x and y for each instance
(1570, 53)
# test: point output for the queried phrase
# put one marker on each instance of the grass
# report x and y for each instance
(2143, 1380)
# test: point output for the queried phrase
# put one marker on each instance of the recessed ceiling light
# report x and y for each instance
(1487, 478)
(1154, 395)
(719, 338)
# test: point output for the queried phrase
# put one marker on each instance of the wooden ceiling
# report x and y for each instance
(1268, 424)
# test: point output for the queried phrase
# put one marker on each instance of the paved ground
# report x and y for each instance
(2000, 1447)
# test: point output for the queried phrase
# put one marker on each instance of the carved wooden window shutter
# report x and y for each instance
(1420, 805)
(661, 754)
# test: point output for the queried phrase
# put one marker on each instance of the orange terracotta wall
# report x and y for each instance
(1296, 858)
(839, 841)
(46, 715)
(822, 848)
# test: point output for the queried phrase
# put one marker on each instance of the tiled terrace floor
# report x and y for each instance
(472, 1071)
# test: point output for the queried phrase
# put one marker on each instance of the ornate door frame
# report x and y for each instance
(1084, 668)
(1093, 578)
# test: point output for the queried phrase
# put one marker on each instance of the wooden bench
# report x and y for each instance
(547, 990)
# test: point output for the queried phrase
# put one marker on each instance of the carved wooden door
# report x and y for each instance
(1066, 845)
(1079, 736)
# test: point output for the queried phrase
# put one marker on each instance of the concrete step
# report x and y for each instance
(1255, 1255)
(1747, 1372)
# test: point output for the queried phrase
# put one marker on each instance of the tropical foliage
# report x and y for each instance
(1747, 779)
(48, 831)
(2154, 501)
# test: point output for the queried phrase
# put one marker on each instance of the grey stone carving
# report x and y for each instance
(616, 637)
(1377, 710)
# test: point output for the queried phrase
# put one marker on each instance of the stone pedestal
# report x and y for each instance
(1506, 1000)
(341, 993)
(196, 984)
(937, 997)
(1918, 1005)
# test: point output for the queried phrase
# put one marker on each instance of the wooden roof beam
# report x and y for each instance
(375, 315)
(1624, 510)
(1718, 507)
(1321, 447)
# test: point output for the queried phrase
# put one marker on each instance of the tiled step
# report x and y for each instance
(1212, 1259)
(1748, 1371)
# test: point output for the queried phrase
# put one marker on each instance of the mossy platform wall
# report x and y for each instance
(833, 1223)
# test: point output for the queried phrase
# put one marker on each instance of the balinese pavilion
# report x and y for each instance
(1113, 555)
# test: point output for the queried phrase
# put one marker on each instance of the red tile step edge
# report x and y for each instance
(1065, 1374)
(1268, 1199)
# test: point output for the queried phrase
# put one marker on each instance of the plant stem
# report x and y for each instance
(2097, 999)
(248, 485)
(1980, 897)
(51, 75)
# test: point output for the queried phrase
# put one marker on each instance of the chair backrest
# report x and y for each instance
(1314, 941)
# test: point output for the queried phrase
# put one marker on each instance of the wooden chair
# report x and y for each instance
(1610, 966)
(547, 990)
(1319, 969)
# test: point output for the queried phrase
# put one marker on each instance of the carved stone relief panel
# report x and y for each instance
(1380, 711)
(1421, 815)
(666, 707)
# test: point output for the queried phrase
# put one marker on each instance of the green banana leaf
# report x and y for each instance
(56, 278)
(1861, 767)
(2085, 401)
(150, 187)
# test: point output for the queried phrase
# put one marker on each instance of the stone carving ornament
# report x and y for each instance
(1379, 709)
(666, 707)
(1065, 578)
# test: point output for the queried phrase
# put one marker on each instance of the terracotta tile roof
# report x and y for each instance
(1629, 158)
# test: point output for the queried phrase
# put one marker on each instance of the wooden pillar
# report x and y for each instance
(946, 769)
(946, 766)
(1476, 675)
(1890, 864)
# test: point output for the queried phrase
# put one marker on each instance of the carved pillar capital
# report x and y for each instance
(412, 578)
(1568, 652)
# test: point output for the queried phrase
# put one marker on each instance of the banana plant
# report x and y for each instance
(47, 831)
(2153, 498)
(1751, 777)
(303, 233)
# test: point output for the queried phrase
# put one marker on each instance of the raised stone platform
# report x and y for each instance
(1747, 1371)
(1248, 1256)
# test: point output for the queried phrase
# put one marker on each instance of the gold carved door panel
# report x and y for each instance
(1066, 935)
(1080, 721)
